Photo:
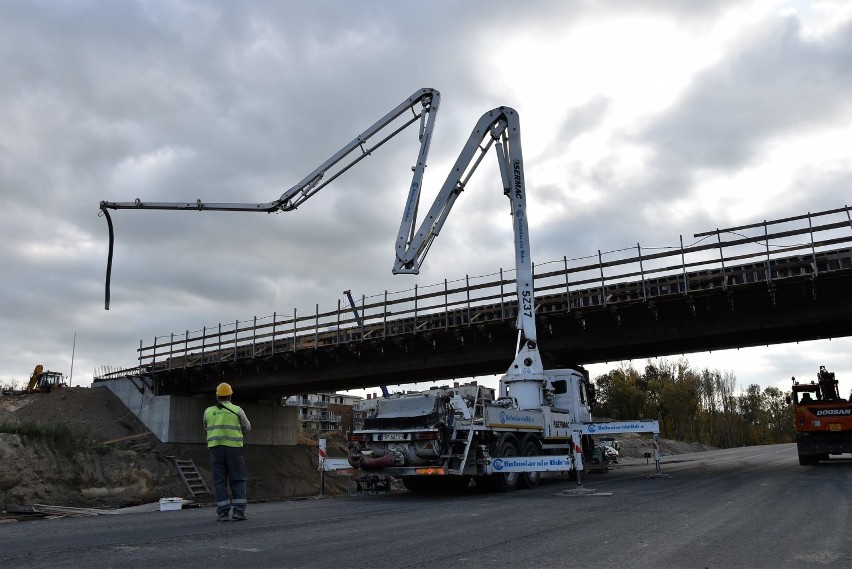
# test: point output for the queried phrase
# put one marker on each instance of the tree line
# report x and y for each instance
(696, 406)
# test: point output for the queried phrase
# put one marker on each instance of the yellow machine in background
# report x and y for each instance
(45, 381)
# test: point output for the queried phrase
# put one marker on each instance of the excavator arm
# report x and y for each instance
(498, 128)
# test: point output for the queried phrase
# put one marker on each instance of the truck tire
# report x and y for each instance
(530, 479)
(503, 482)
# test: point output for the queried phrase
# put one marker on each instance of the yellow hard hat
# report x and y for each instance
(224, 390)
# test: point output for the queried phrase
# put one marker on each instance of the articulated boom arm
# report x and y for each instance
(427, 99)
(499, 128)
(355, 151)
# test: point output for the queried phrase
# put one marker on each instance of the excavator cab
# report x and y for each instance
(51, 380)
(45, 381)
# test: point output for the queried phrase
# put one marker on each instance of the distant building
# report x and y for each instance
(321, 412)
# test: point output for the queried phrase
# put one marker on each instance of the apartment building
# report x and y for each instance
(321, 412)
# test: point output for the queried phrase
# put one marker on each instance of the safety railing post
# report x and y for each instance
(203, 341)
(316, 327)
(154, 358)
(171, 350)
(185, 348)
(446, 306)
(502, 297)
(294, 330)
(363, 314)
(415, 309)
(813, 248)
(274, 323)
(532, 280)
(140, 352)
(603, 282)
(218, 356)
(385, 316)
(683, 265)
(254, 338)
(337, 332)
(236, 333)
(567, 284)
(467, 291)
(642, 274)
(768, 260)
(722, 260)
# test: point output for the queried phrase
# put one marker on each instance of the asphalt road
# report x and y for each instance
(746, 507)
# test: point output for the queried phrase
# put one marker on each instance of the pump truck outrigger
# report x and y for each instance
(542, 419)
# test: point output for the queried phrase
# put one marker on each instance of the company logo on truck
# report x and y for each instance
(616, 427)
(511, 418)
(521, 464)
(833, 412)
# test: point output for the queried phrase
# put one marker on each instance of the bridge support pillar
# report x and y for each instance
(176, 419)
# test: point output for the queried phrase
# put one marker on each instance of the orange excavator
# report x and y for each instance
(823, 418)
(45, 381)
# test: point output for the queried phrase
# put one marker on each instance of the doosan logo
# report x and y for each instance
(825, 412)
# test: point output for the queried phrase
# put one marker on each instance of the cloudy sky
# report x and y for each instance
(642, 121)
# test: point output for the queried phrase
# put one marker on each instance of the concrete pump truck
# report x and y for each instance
(540, 420)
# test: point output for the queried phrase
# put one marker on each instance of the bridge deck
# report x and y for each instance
(588, 300)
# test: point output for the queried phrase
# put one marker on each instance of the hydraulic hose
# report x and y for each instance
(109, 256)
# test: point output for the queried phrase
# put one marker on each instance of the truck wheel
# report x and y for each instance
(530, 479)
(503, 482)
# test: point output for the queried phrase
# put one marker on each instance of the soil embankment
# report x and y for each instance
(83, 447)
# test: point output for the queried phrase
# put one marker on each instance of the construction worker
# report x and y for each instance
(225, 424)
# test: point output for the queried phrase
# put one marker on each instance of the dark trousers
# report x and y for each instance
(229, 469)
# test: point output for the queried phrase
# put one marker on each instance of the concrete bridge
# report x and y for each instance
(771, 282)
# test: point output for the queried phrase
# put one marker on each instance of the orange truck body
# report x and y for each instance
(823, 419)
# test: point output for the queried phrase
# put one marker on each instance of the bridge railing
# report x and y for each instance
(796, 247)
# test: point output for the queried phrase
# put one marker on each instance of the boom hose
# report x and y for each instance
(109, 257)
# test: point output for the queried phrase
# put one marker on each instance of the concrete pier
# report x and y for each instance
(176, 419)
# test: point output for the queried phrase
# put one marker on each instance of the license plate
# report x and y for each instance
(393, 436)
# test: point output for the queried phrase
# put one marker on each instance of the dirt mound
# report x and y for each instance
(635, 445)
(83, 447)
(90, 413)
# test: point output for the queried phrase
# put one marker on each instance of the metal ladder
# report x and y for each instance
(468, 414)
(464, 453)
(190, 477)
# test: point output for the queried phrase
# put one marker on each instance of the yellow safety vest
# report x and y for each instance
(223, 425)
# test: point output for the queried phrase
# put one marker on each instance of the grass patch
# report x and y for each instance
(58, 436)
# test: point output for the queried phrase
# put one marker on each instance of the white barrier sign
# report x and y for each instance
(532, 464)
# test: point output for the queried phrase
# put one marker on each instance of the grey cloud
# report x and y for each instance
(227, 101)
(775, 83)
